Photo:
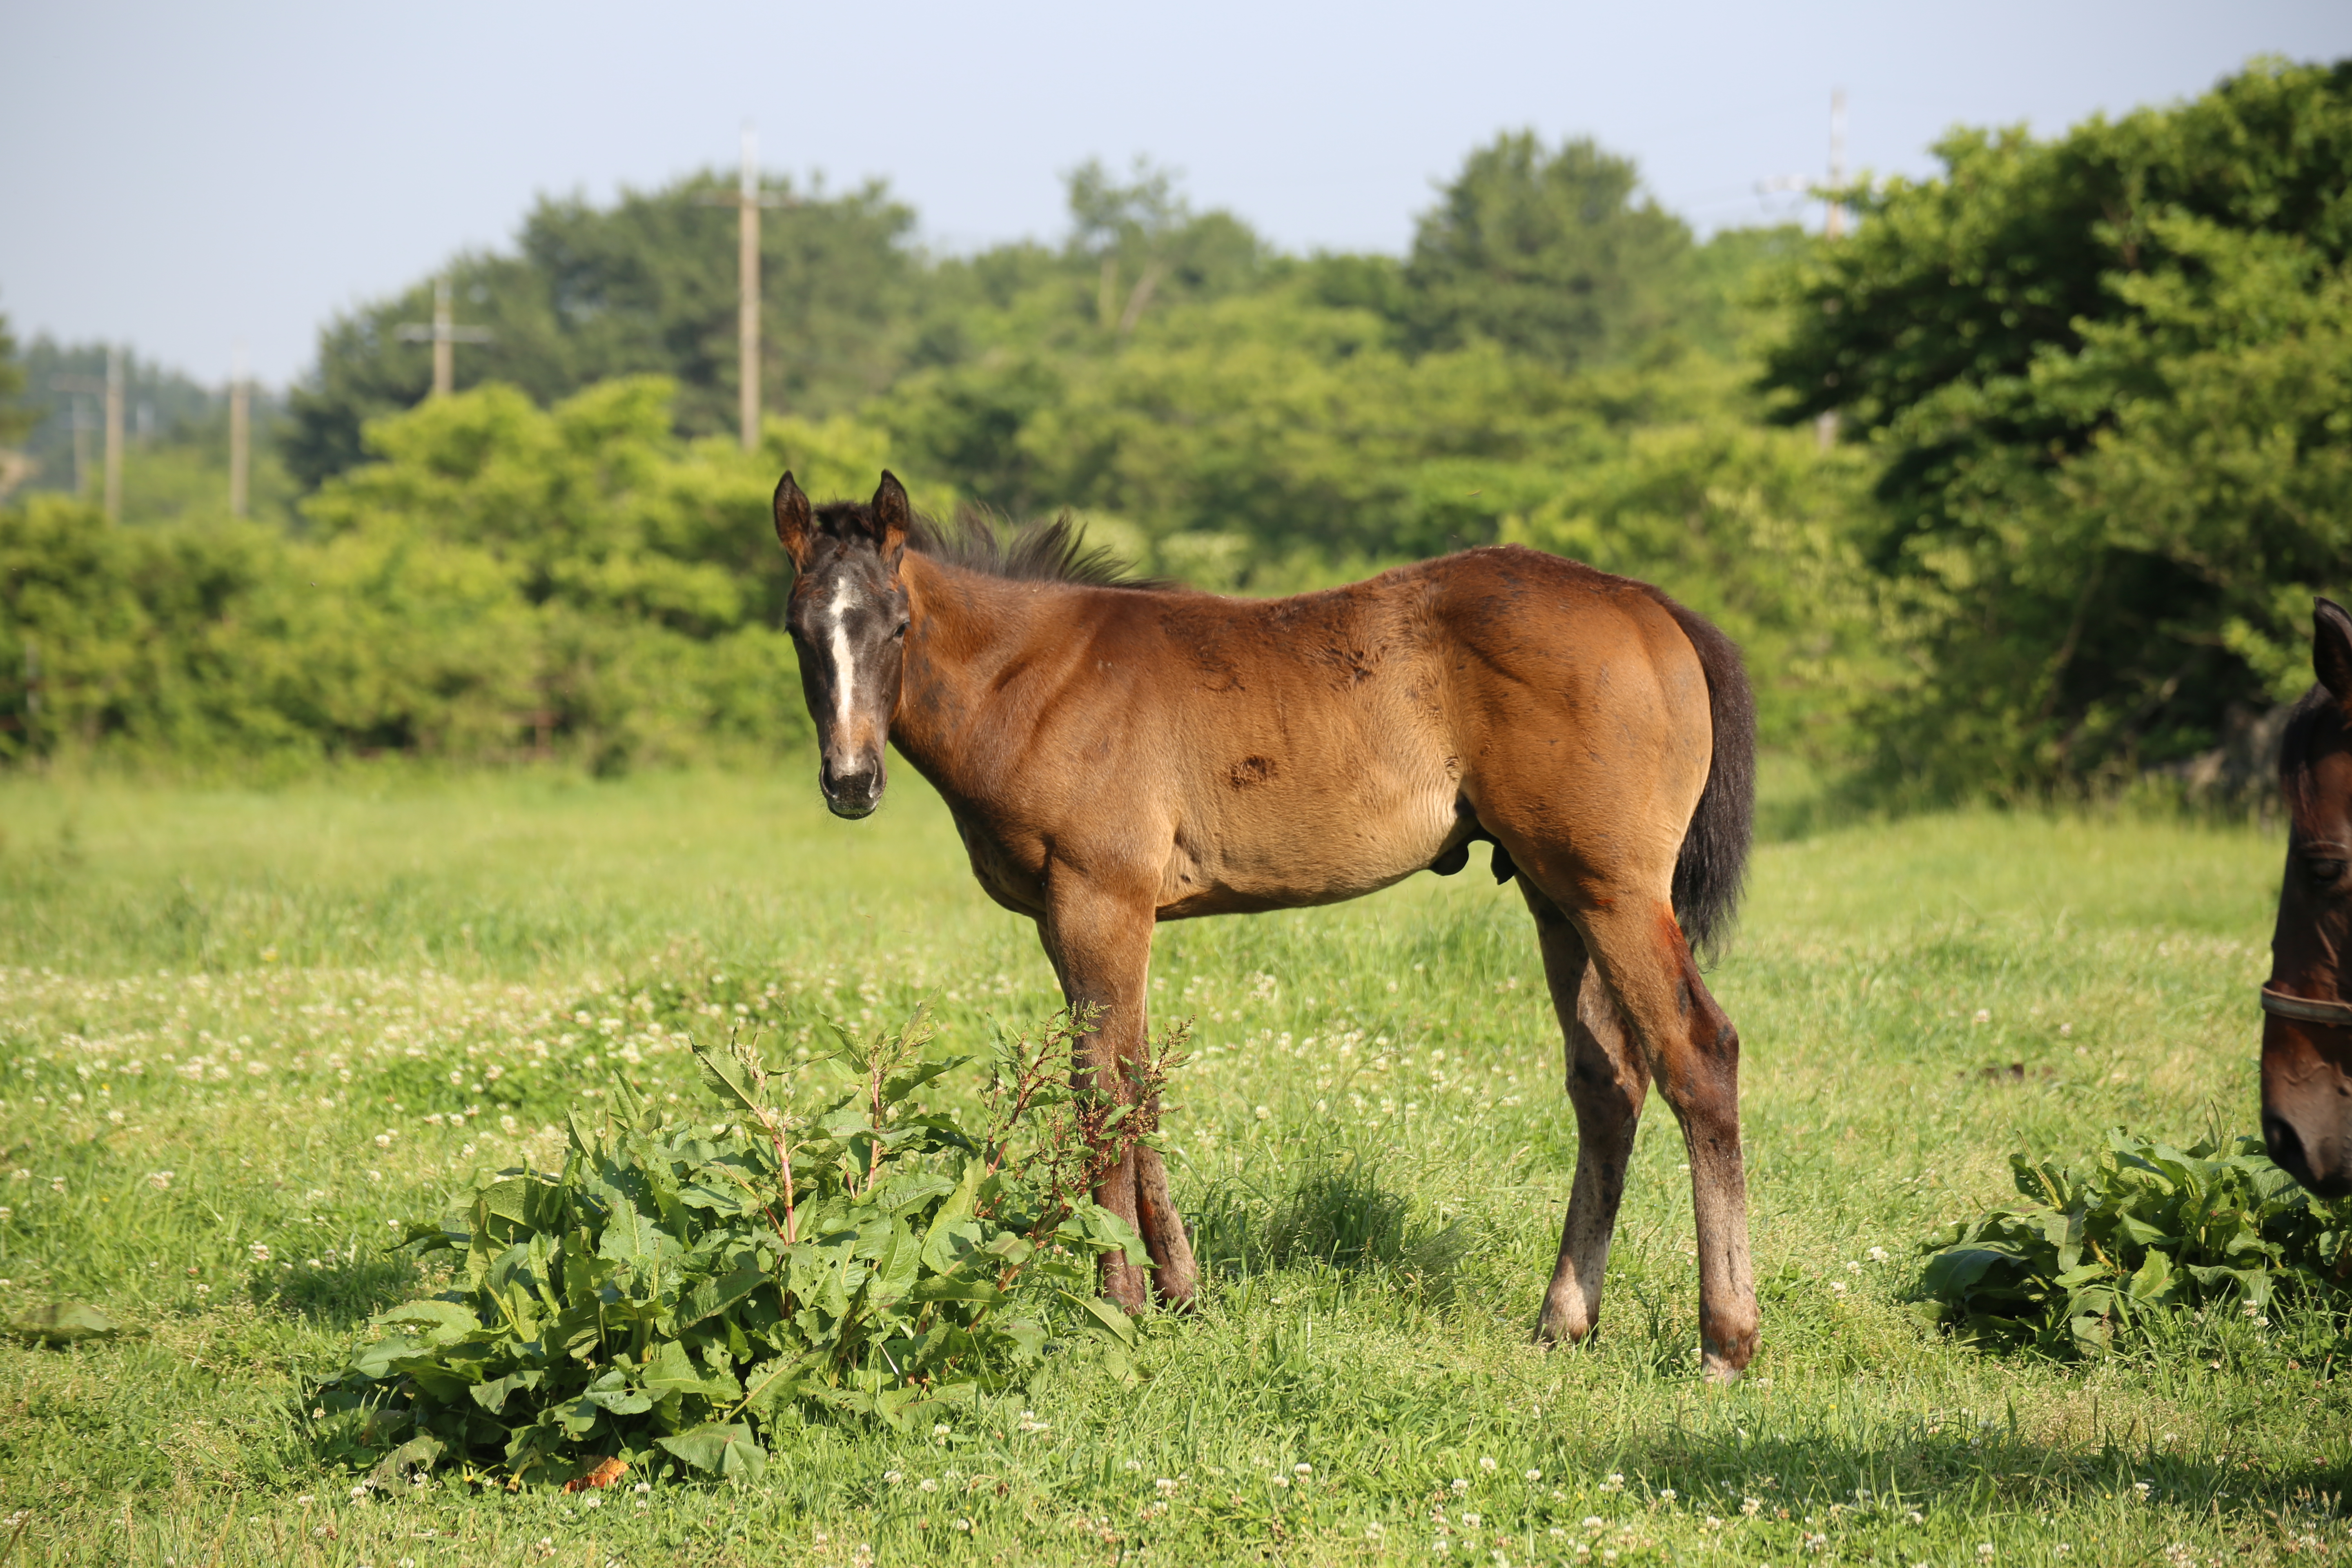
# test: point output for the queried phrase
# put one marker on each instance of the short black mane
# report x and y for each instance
(1047, 551)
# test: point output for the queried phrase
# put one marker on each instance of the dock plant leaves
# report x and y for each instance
(683, 1302)
(2089, 1257)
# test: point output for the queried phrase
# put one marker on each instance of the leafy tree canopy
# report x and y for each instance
(2108, 377)
(1550, 252)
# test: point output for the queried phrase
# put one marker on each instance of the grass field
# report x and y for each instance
(242, 1031)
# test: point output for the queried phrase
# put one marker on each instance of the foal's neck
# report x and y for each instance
(970, 632)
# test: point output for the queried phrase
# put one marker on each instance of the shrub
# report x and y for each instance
(2149, 1230)
(682, 1300)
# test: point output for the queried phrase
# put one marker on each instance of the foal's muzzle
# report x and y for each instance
(2324, 1175)
(852, 791)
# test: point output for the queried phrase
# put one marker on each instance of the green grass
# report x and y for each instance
(300, 973)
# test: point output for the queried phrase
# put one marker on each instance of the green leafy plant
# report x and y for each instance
(2149, 1230)
(683, 1301)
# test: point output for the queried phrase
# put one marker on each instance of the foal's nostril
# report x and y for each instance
(2285, 1147)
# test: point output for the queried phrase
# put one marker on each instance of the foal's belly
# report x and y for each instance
(1315, 849)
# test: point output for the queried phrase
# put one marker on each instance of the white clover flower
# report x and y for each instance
(1472, 1520)
(1461, 1485)
(927, 1485)
(1279, 1479)
(1837, 1286)
(260, 1251)
(1594, 1522)
(1302, 1469)
(1164, 1487)
(1984, 1548)
(892, 1477)
(1666, 1494)
(1263, 1113)
(592, 1500)
(1486, 1465)
(383, 1139)
(939, 1428)
(160, 1179)
(1876, 1255)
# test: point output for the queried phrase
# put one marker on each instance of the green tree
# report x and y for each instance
(15, 419)
(645, 287)
(1548, 252)
(2108, 379)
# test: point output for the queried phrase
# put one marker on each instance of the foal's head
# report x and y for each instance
(848, 621)
(2307, 1027)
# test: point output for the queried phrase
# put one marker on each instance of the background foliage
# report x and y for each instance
(2090, 400)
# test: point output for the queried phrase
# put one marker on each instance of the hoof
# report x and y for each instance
(1726, 1364)
(1558, 1328)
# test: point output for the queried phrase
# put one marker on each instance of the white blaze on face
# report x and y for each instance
(845, 677)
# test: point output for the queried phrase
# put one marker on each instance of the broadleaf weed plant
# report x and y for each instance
(684, 1296)
(2090, 1259)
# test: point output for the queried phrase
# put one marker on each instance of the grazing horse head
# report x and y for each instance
(2307, 1029)
(848, 618)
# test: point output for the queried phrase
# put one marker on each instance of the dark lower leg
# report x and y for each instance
(1606, 1084)
(1174, 1276)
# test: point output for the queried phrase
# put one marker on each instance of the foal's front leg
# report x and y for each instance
(1101, 944)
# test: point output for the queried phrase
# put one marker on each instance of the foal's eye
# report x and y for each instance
(2324, 870)
(900, 629)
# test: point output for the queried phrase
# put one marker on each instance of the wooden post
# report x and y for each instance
(747, 289)
(240, 438)
(81, 449)
(114, 435)
(1825, 429)
(1833, 224)
(444, 334)
(747, 201)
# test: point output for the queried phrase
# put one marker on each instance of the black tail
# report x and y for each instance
(1714, 859)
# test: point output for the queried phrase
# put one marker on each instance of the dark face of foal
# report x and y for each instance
(2307, 1064)
(848, 621)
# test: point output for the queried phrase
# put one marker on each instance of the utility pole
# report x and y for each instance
(1825, 429)
(747, 201)
(109, 388)
(1833, 223)
(114, 435)
(240, 437)
(444, 334)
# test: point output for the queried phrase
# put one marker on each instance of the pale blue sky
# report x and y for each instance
(180, 176)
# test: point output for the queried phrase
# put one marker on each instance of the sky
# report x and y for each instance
(182, 179)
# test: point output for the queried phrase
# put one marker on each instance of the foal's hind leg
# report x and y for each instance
(1694, 1051)
(1607, 1081)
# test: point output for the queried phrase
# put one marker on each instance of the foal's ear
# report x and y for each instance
(892, 516)
(2331, 647)
(795, 528)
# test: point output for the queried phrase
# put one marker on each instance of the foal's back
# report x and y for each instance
(1311, 749)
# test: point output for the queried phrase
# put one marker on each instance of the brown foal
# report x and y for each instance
(1115, 755)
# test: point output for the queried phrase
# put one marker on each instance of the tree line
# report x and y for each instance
(2087, 393)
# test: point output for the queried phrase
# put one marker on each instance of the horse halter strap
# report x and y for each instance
(2305, 1009)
